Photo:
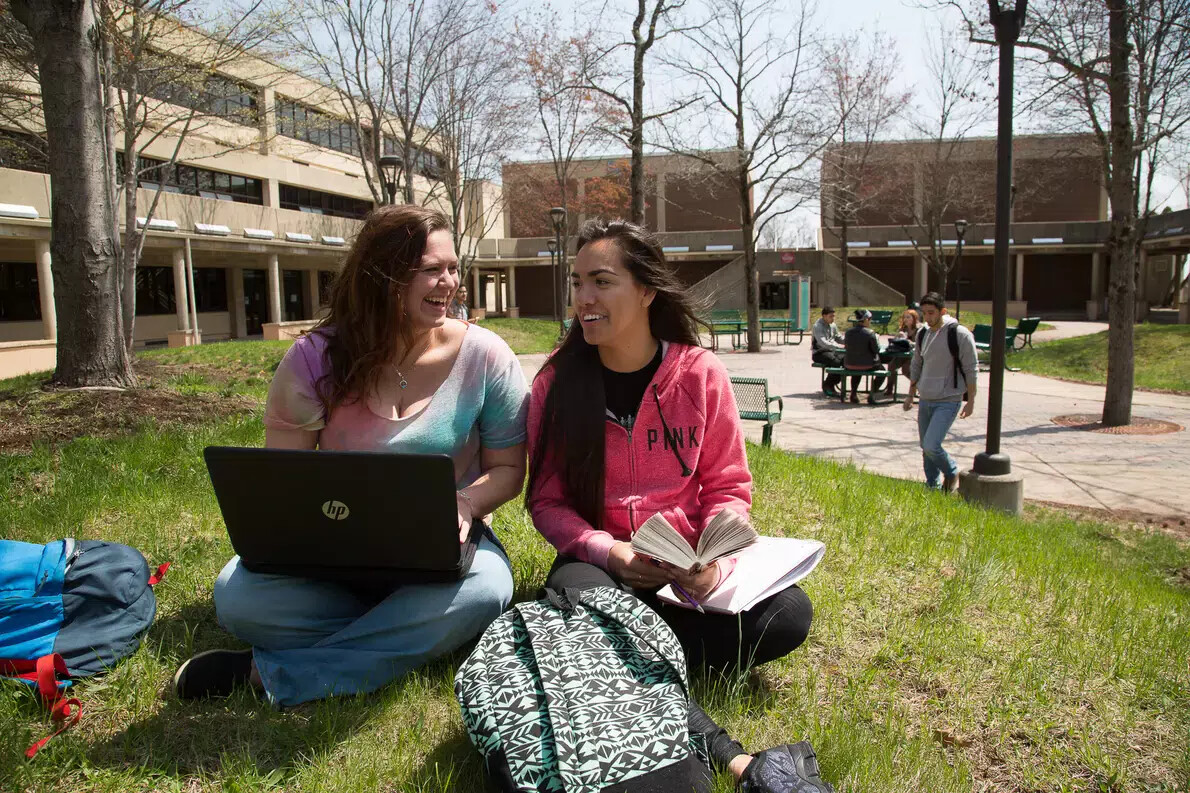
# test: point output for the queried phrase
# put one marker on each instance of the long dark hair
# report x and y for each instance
(572, 417)
(368, 316)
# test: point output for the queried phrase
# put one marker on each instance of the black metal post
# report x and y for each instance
(991, 462)
(560, 281)
(554, 280)
(958, 281)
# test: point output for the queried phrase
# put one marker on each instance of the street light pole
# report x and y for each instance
(553, 246)
(558, 218)
(389, 166)
(1007, 22)
(960, 230)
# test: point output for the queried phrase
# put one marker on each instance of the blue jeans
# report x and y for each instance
(933, 422)
(313, 639)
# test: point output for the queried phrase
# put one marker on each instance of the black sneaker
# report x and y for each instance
(789, 768)
(215, 673)
(949, 483)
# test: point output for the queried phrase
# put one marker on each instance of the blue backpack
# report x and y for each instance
(70, 608)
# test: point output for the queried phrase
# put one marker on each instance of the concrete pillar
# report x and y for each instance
(312, 303)
(193, 297)
(1097, 278)
(661, 201)
(239, 320)
(513, 309)
(181, 295)
(45, 289)
(499, 291)
(476, 296)
(274, 272)
(271, 193)
(921, 276)
(1019, 291)
(266, 100)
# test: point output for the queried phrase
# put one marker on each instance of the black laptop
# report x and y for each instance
(350, 517)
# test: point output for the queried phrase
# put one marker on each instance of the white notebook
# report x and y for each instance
(761, 570)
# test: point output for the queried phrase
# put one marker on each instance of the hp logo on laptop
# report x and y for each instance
(335, 510)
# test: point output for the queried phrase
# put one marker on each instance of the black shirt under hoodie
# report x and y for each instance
(623, 391)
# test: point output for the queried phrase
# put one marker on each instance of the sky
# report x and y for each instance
(907, 24)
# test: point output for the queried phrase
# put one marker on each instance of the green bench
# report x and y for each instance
(753, 400)
(880, 319)
(726, 323)
(869, 377)
(983, 342)
(1025, 328)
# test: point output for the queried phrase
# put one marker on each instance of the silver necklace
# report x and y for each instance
(404, 383)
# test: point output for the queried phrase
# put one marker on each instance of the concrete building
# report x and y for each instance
(1059, 227)
(265, 194)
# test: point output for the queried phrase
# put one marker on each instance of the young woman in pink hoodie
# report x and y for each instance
(629, 417)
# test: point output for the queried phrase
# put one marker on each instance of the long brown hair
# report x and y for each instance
(573, 414)
(368, 316)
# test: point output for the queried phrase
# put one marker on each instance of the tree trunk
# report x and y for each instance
(843, 258)
(636, 136)
(85, 252)
(751, 274)
(128, 254)
(1121, 289)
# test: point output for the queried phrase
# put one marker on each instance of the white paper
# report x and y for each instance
(764, 569)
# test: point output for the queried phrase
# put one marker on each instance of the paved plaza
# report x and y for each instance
(1143, 473)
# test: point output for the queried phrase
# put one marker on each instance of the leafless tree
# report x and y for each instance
(862, 103)
(757, 111)
(932, 181)
(569, 118)
(624, 83)
(1120, 68)
(480, 122)
(162, 83)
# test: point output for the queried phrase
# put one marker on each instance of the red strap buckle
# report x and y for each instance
(160, 574)
(45, 673)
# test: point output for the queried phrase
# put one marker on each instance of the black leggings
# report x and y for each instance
(771, 629)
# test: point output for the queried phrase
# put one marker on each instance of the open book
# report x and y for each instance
(725, 534)
(763, 569)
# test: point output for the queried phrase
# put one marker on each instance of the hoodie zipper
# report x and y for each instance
(631, 477)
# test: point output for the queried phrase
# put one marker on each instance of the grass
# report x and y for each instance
(1160, 355)
(953, 649)
(523, 335)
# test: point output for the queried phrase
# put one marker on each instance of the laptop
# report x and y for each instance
(351, 517)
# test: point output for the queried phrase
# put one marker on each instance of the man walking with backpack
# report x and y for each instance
(944, 372)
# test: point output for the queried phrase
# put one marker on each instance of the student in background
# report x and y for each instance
(862, 347)
(826, 347)
(944, 373)
(386, 371)
(458, 306)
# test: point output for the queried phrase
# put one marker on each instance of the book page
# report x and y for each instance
(656, 538)
(724, 534)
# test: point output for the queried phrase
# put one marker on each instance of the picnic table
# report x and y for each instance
(735, 324)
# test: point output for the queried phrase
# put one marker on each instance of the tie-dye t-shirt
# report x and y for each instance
(482, 403)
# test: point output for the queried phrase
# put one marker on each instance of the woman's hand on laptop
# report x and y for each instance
(465, 516)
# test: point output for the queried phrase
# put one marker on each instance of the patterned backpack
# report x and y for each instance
(582, 692)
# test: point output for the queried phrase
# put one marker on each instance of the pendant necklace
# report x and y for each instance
(404, 383)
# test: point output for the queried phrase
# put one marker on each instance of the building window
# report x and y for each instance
(19, 298)
(215, 95)
(210, 288)
(192, 180)
(319, 203)
(425, 162)
(299, 121)
(22, 152)
(155, 291)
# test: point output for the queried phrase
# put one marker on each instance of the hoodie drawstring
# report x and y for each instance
(670, 440)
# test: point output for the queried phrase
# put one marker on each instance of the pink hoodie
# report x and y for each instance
(642, 473)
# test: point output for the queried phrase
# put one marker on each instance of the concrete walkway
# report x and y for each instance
(1143, 473)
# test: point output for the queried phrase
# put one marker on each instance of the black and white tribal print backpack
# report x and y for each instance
(582, 692)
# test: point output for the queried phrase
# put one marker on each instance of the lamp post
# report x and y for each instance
(558, 218)
(390, 166)
(553, 246)
(960, 230)
(992, 481)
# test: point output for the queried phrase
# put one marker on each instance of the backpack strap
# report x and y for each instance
(952, 341)
(48, 674)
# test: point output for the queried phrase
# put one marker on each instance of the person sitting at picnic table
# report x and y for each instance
(907, 330)
(826, 347)
(862, 352)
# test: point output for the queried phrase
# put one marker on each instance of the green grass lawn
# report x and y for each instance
(953, 649)
(524, 335)
(1161, 354)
